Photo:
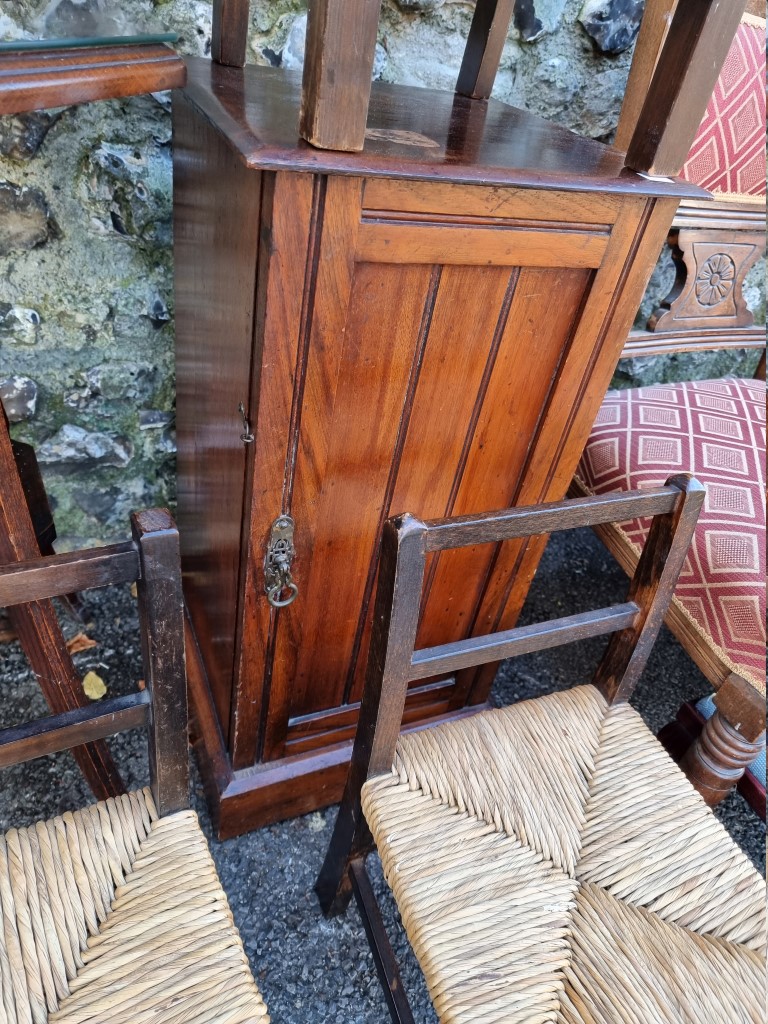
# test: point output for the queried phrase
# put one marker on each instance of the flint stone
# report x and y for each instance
(19, 398)
(22, 136)
(18, 325)
(73, 445)
(612, 24)
(25, 220)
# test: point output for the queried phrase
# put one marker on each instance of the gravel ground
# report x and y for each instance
(313, 971)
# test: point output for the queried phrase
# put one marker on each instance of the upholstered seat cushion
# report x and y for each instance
(715, 429)
(552, 864)
(113, 916)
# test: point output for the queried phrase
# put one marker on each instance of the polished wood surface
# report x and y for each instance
(55, 78)
(338, 67)
(398, 339)
(214, 315)
(412, 133)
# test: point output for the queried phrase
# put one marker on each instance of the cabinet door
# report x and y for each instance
(432, 362)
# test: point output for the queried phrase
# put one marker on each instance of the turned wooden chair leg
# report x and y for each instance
(730, 740)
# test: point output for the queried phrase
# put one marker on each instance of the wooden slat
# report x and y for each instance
(393, 242)
(56, 575)
(523, 640)
(229, 33)
(656, 343)
(652, 587)
(657, 17)
(161, 617)
(72, 728)
(485, 43)
(688, 67)
(55, 78)
(338, 67)
(556, 515)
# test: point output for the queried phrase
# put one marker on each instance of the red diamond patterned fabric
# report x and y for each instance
(728, 155)
(715, 429)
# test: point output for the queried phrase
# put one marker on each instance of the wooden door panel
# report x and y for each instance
(388, 309)
(470, 314)
(522, 379)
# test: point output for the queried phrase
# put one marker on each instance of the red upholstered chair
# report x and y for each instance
(714, 428)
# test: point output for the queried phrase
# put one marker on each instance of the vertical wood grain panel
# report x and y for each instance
(469, 318)
(380, 343)
(582, 381)
(522, 378)
(312, 424)
(216, 206)
(291, 215)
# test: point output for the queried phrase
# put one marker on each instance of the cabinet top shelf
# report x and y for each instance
(413, 133)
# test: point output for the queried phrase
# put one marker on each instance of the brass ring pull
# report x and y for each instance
(277, 564)
(273, 596)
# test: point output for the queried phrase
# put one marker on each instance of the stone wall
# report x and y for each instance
(86, 304)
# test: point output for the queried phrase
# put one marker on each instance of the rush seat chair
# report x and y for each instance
(549, 860)
(115, 914)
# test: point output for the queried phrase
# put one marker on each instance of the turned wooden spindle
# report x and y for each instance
(728, 743)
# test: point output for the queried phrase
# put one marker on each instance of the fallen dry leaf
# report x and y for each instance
(134, 590)
(79, 643)
(94, 686)
(141, 684)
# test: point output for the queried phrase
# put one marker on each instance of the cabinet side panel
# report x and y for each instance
(216, 225)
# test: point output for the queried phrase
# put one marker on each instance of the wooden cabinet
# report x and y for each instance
(429, 325)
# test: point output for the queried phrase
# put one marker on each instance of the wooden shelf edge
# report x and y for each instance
(37, 80)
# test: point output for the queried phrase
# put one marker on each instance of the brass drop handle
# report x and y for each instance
(277, 564)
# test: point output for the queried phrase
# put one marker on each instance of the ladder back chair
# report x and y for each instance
(115, 912)
(549, 861)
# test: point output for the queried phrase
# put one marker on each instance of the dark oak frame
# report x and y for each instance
(151, 559)
(393, 660)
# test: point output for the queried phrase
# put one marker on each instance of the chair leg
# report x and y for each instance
(716, 761)
(383, 954)
(350, 842)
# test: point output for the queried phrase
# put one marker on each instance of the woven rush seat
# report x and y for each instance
(552, 864)
(111, 914)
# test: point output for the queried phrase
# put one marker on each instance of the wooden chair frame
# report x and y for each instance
(151, 559)
(394, 662)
